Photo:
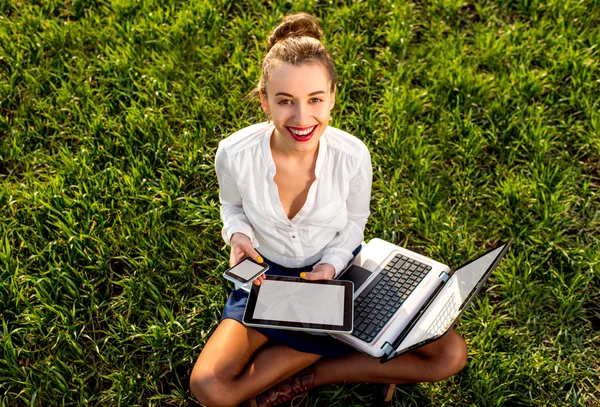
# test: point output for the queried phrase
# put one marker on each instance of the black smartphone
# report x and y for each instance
(245, 271)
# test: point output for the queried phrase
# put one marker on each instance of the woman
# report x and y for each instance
(299, 191)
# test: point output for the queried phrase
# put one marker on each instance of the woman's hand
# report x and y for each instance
(322, 271)
(241, 247)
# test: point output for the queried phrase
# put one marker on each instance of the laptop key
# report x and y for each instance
(370, 328)
(371, 285)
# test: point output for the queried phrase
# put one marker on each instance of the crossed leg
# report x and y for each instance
(235, 365)
(430, 363)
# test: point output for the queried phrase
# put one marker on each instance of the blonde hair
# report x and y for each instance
(296, 41)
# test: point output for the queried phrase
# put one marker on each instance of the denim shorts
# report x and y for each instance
(301, 341)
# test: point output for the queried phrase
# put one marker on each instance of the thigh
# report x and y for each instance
(229, 349)
(430, 363)
(451, 343)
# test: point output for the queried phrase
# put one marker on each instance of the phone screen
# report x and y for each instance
(246, 270)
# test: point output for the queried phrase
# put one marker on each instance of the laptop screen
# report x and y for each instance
(451, 300)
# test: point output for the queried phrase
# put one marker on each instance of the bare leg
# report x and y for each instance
(431, 363)
(235, 365)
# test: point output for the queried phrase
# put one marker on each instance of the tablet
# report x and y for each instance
(294, 303)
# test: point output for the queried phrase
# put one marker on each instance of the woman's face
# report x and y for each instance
(299, 101)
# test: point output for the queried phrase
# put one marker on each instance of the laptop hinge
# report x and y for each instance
(445, 277)
(387, 348)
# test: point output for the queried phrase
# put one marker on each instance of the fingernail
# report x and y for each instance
(260, 259)
(302, 275)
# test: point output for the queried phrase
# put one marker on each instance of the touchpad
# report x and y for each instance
(356, 274)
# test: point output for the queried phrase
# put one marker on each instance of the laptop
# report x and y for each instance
(404, 300)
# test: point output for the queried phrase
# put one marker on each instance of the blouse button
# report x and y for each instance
(293, 236)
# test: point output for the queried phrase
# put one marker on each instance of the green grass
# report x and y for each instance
(483, 122)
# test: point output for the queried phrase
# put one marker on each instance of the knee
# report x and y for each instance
(452, 360)
(458, 359)
(208, 390)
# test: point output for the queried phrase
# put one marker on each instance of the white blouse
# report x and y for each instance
(329, 226)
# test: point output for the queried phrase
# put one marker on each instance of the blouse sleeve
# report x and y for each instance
(232, 212)
(338, 251)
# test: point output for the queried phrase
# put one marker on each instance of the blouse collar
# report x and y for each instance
(268, 156)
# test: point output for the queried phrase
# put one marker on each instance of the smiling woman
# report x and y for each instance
(298, 190)
(300, 118)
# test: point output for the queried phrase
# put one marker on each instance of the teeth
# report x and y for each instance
(302, 133)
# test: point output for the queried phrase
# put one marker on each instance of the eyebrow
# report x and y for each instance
(310, 94)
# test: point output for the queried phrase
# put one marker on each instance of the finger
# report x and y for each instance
(259, 280)
(254, 254)
(235, 257)
(313, 275)
(320, 272)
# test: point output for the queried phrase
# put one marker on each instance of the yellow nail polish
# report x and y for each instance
(302, 275)
(260, 259)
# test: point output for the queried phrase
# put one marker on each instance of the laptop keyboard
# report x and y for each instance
(378, 302)
(441, 321)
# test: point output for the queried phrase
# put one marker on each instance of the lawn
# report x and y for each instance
(483, 121)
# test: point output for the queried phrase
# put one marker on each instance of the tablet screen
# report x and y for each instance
(294, 302)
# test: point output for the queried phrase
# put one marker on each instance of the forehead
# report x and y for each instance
(297, 80)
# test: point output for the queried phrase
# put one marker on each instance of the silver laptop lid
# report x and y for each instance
(445, 307)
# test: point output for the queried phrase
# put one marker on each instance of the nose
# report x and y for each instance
(302, 114)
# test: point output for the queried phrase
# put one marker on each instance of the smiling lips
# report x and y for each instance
(302, 134)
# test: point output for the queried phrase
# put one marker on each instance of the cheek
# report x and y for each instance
(282, 114)
(324, 114)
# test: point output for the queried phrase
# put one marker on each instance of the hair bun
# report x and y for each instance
(295, 25)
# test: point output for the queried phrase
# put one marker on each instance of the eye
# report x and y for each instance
(317, 99)
(282, 102)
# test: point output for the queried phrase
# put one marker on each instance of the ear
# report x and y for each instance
(263, 102)
(332, 101)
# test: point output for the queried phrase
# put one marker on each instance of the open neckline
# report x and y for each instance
(274, 189)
